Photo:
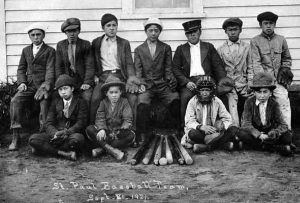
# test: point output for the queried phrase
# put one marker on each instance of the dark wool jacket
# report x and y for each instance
(210, 59)
(57, 121)
(123, 53)
(83, 61)
(274, 120)
(38, 69)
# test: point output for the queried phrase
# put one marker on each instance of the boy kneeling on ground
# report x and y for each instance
(66, 120)
(113, 121)
(207, 119)
(263, 126)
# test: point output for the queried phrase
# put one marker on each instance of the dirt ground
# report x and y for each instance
(245, 176)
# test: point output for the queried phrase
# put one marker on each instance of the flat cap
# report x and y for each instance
(232, 22)
(263, 80)
(192, 25)
(106, 18)
(36, 26)
(64, 80)
(70, 24)
(267, 16)
(153, 21)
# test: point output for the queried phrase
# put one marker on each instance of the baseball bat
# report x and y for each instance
(150, 151)
(187, 158)
(163, 160)
(169, 156)
(177, 154)
(140, 153)
(158, 151)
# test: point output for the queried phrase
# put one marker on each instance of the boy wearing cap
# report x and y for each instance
(206, 120)
(270, 53)
(112, 56)
(263, 124)
(114, 118)
(66, 121)
(153, 65)
(193, 59)
(73, 57)
(236, 57)
(35, 79)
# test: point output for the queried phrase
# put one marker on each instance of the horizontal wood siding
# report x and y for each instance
(20, 14)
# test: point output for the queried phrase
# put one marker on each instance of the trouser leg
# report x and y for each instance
(132, 99)
(233, 104)
(124, 139)
(44, 106)
(185, 96)
(95, 102)
(41, 143)
(282, 97)
(248, 139)
(197, 136)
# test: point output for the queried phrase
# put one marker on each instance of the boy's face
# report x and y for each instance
(110, 29)
(72, 34)
(36, 36)
(114, 93)
(153, 33)
(267, 27)
(66, 92)
(263, 94)
(194, 36)
(233, 32)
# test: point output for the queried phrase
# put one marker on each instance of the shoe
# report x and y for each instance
(14, 143)
(240, 145)
(97, 152)
(228, 146)
(68, 155)
(199, 148)
(284, 150)
(33, 150)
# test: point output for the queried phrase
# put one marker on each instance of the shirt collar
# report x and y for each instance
(112, 39)
(194, 45)
(257, 102)
(230, 43)
(151, 43)
(38, 46)
(67, 101)
(267, 36)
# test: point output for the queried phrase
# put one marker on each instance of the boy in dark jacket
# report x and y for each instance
(114, 118)
(66, 121)
(262, 121)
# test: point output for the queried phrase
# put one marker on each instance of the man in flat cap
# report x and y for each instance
(112, 56)
(153, 65)
(193, 59)
(35, 79)
(236, 57)
(270, 53)
(73, 57)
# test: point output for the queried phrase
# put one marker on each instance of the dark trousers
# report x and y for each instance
(41, 142)
(162, 93)
(97, 96)
(123, 140)
(250, 141)
(19, 102)
(185, 96)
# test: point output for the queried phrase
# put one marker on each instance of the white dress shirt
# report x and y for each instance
(196, 67)
(109, 53)
(262, 110)
(35, 49)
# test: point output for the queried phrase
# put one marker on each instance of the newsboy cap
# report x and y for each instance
(263, 80)
(192, 25)
(107, 18)
(267, 16)
(64, 80)
(112, 81)
(232, 22)
(70, 24)
(36, 26)
(153, 21)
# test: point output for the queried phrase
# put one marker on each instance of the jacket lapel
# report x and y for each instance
(158, 50)
(119, 50)
(78, 47)
(73, 105)
(39, 53)
(146, 50)
(204, 51)
(187, 53)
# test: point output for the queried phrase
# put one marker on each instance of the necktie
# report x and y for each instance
(262, 112)
(152, 50)
(36, 51)
(66, 110)
(71, 57)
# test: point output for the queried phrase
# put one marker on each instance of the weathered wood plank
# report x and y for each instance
(218, 3)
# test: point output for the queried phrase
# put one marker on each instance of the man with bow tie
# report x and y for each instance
(236, 56)
(35, 79)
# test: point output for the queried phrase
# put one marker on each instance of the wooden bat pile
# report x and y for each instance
(164, 148)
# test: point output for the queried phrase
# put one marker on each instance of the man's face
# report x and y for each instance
(113, 94)
(194, 36)
(36, 36)
(110, 29)
(66, 92)
(233, 33)
(267, 27)
(153, 33)
(72, 34)
(263, 94)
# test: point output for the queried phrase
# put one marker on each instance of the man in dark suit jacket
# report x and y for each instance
(153, 65)
(73, 57)
(193, 59)
(112, 56)
(35, 78)
(66, 121)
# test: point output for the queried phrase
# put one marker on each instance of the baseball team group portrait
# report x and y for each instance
(141, 107)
